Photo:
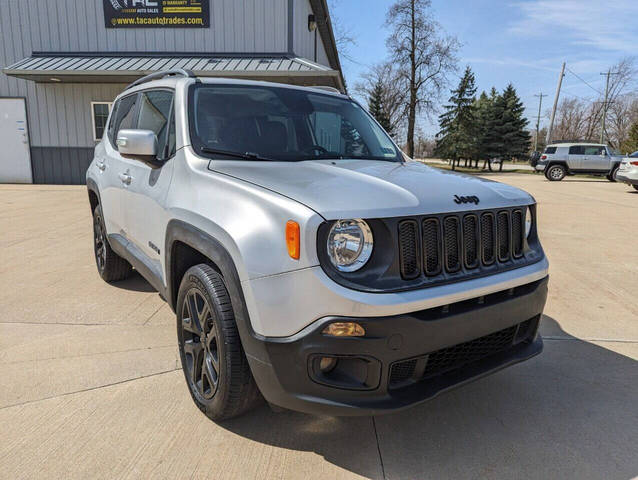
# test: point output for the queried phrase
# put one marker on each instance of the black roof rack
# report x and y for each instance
(162, 74)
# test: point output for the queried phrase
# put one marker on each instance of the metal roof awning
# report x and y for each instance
(125, 68)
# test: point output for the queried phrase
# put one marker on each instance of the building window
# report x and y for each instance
(100, 114)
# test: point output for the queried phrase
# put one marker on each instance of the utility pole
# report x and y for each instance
(608, 73)
(548, 139)
(538, 118)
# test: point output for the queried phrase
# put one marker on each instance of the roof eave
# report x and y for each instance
(332, 77)
(324, 25)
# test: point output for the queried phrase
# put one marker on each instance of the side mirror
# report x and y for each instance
(137, 143)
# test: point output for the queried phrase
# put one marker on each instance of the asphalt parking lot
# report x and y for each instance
(92, 385)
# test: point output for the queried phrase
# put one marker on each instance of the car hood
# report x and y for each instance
(372, 189)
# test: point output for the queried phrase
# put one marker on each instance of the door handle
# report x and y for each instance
(101, 165)
(126, 178)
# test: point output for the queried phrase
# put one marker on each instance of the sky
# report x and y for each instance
(522, 42)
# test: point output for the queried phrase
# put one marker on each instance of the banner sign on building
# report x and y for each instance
(156, 13)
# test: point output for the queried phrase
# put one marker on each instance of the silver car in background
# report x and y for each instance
(561, 159)
(628, 170)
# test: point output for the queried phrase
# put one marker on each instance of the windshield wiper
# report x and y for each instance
(243, 156)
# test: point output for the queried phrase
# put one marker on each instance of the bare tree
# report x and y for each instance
(580, 119)
(622, 114)
(423, 56)
(573, 120)
(394, 93)
(343, 36)
(424, 146)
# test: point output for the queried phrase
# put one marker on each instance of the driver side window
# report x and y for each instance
(122, 117)
(156, 114)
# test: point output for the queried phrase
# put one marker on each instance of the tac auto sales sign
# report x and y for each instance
(156, 13)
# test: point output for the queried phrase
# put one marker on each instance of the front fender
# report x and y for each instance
(179, 231)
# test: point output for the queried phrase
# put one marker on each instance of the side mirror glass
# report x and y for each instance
(137, 143)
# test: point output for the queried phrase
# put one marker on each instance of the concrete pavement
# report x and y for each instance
(92, 386)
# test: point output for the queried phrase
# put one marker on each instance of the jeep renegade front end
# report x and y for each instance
(306, 260)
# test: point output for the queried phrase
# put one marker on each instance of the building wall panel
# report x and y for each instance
(304, 40)
(59, 115)
(60, 165)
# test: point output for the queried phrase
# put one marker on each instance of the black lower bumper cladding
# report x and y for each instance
(403, 359)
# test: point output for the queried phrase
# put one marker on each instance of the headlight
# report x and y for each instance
(528, 222)
(349, 244)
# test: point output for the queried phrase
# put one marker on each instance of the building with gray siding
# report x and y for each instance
(64, 61)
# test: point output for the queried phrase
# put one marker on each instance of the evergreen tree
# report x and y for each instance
(457, 136)
(630, 145)
(376, 107)
(484, 112)
(489, 115)
(513, 128)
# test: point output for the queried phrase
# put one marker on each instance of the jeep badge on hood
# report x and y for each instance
(461, 199)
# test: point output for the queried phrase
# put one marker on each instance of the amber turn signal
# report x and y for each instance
(344, 329)
(292, 239)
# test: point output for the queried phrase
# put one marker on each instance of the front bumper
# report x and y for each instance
(464, 340)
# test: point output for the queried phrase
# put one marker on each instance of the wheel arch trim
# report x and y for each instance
(212, 249)
(562, 163)
(91, 186)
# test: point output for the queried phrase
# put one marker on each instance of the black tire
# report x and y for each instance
(612, 175)
(555, 173)
(213, 360)
(635, 186)
(110, 265)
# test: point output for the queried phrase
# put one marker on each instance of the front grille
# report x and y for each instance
(488, 235)
(408, 249)
(470, 241)
(451, 358)
(402, 371)
(431, 247)
(453, 244)
(503, 234)
(517, 233)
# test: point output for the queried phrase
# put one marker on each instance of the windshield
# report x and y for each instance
(614, 151)
(284, 124)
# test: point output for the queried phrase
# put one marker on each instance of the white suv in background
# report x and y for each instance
(562, 159)
(628, 170)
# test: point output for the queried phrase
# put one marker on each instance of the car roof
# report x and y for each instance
(174, 82)
(576, 143)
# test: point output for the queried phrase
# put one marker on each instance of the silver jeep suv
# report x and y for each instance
(307, 262)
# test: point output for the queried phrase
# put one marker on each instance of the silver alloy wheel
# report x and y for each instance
(200, 344)
(99, 243)
(556, 173)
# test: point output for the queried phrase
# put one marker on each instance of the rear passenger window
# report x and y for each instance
(156, 115)
(576, 150)
(550, 150)
(593, 150)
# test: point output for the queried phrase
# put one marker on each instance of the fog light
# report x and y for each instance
(327, 363)
(344, 329)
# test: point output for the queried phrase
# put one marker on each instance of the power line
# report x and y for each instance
(579, 97)
(585, 82)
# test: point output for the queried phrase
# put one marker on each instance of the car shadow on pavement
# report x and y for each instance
(570, 412)
(135, 283)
